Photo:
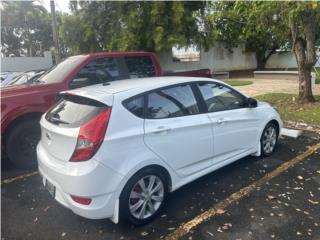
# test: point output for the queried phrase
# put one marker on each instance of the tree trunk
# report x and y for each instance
(305, 51)
(261, 62)
(262, 58)
(305, 87)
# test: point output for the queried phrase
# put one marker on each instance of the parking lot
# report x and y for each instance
(254, 198)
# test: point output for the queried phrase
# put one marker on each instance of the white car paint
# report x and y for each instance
(187, 147)
(7, 77)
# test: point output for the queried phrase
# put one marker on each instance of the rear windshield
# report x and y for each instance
(74, 111)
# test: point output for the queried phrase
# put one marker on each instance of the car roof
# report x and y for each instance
(119, 54)
(114, 87)
(102, 92)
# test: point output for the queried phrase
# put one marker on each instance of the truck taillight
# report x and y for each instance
(91, 136)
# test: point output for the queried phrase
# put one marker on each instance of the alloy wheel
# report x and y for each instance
(269, 139)
(146, 197)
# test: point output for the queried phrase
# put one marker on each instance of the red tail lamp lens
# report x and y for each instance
(91, 136)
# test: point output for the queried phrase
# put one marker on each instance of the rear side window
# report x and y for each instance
(97, 71)
(171, 102)
(135, 106)
(140, 66)
(74, 111)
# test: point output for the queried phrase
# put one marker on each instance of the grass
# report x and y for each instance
(238, 82)
(290, 110)
(318, 75)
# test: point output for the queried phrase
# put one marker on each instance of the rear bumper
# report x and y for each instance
(89, 179)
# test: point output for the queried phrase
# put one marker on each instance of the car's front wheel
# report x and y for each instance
(269, 139)
(22, 142)
(143, 197)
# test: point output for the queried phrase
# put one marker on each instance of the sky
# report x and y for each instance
(61, 5)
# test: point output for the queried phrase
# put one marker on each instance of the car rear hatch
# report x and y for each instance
(74, 128)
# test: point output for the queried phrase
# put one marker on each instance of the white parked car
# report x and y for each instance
(7, 77)
(115, 150)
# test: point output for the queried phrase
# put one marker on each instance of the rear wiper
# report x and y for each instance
(57, 120)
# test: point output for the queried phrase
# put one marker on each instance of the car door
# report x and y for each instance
(235, 126)
(98, 71)
(176, 131)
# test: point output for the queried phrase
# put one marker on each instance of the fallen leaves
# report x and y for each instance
(210, 233)
(226, 226)
(220, 211)
(313, 202)
(270, 197)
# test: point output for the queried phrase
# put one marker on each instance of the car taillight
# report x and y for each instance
(91, 136)
(81, 200)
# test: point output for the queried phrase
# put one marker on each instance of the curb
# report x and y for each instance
(302, 126)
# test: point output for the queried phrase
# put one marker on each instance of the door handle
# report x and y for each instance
(162, 129)
(221, 120)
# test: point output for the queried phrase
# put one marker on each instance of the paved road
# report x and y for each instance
(28, 212)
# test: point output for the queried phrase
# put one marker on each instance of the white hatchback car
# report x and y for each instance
(115, 150)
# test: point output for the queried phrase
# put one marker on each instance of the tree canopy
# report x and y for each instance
(262, 26)
(132, 25)
(254, 24)
(25, 30)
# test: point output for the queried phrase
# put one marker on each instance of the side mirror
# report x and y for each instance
(252, 103)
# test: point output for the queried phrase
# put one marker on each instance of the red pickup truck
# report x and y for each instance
(23, 105)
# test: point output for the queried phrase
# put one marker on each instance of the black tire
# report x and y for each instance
(125, 214)
(269, 126)
(21, 143)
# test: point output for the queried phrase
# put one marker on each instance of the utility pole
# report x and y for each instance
(54, 32)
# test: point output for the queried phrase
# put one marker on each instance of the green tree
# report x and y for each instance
(132, 25)
(265, 26)
(250, 23)
(25, 30)
(302, 18)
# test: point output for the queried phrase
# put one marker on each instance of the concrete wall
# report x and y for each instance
(285, 60)
(20, 64)
(217, 58)
(220, 59)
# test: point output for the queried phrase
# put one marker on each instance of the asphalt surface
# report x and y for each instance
(286, 207)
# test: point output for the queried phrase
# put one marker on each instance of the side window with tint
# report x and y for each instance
(97, 71)
(172, 102)
(218, 97)
(140, 66)
(135, 106)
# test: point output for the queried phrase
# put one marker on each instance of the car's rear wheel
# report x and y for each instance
(22, 142)
(269, 139)
(143, 197)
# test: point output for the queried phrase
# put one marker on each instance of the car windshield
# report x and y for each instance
(27, 77)
(60, 71)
